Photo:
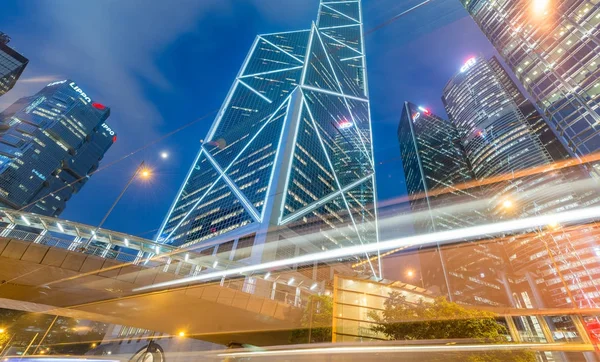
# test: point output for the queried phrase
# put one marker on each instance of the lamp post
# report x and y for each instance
(144, 173)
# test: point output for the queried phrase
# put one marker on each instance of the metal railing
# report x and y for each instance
(162, 263)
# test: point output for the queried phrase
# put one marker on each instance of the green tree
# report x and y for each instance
(316, 321)
(442, 319)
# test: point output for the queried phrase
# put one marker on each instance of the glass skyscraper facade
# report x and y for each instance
(290, 152)
(49, 144)
(501, 142)
(443, 196)
(552, 47)
(12, 65)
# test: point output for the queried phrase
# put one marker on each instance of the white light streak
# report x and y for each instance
(314, 286)
(25, 220)
(443, 237)
(384, 349)
(267, 275)
(126, 242)
(216, 263)
(60, 227)
(291, 281)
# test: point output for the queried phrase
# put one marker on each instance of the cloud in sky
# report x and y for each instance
(110, 47)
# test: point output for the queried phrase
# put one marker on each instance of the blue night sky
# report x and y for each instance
(161, 64)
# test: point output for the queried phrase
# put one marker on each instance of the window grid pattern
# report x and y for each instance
(331, 156)
(48, 143)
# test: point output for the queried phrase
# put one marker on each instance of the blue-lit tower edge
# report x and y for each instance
(295, 108)
(407, 118)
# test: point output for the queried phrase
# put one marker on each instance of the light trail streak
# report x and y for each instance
(500, 178)
(392, 349)
(443, 237)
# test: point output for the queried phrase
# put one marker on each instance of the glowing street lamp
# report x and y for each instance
(144, 173)
(507, 204)
(540, 7)
(410, 273)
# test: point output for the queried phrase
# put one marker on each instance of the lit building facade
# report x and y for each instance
(500, 141)
(49, 145)
(12, 65)
(552, 47)
(290, 152)
(443, 196)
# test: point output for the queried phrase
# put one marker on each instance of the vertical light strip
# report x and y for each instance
(366, 89)
(289, 170)
(308, 52)
(276, 159)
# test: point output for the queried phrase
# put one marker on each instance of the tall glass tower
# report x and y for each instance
(49, 144)
(443, 196)
(552, 47)
(287, 166)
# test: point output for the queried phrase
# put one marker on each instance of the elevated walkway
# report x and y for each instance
(50, 273)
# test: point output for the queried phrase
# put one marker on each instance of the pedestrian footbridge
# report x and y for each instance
(66, 268)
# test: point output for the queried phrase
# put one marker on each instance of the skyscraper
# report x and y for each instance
(443, 196)
(12, 65)
(289, 152)
(552, 47)
(49, 143)
(501, 143)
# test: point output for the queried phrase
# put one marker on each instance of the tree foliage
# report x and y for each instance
(442, 319)
(438, 320)
(316, 321)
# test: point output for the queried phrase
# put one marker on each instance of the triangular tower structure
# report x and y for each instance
(287, 167)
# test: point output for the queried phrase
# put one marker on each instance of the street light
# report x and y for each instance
(410, 273)
(540, 7)
(144, 173)
(507, 204)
